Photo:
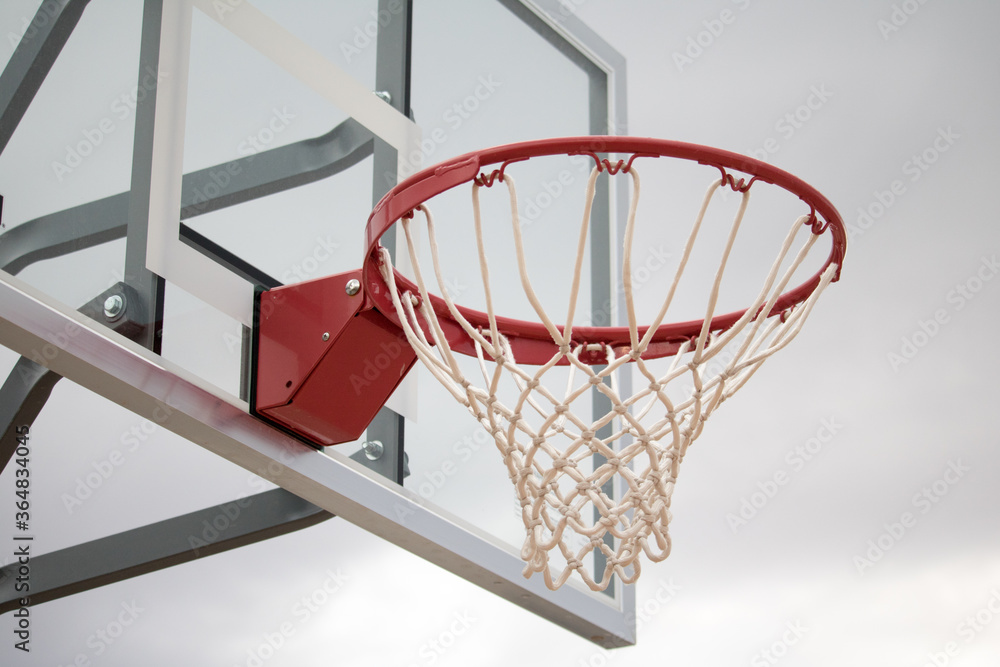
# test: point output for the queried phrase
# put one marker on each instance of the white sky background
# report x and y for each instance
(890, 96)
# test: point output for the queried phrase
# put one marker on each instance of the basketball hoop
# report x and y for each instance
(646, 432)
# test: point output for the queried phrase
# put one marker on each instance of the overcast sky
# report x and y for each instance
(881, 546)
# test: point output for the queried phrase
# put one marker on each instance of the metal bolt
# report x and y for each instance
(326, 336)
(114, 306)
(353, 286)
(384, 95)
(373, 450)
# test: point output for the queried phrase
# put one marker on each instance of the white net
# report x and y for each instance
(601, 485)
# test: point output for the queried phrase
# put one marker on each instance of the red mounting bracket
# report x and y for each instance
(327, 360)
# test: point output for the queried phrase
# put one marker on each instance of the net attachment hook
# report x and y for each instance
(742, 185)
(613, 169)
(486, 181)
(817, 226)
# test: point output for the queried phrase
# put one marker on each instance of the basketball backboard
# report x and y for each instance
(162, 162)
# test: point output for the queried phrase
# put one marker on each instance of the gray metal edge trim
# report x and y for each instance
(35, 326)
(569, 25)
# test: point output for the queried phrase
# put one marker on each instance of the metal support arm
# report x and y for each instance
(254, 176)
(22, 397)
(31, 61)
(160, 545)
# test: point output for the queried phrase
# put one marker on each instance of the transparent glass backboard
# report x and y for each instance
(182, 159)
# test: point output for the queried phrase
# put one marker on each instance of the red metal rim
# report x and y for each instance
(531, 341)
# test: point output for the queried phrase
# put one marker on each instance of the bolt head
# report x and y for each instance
(353, 287)
(384, 95)
(326, 335)
(373, 450)
(114, 306)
